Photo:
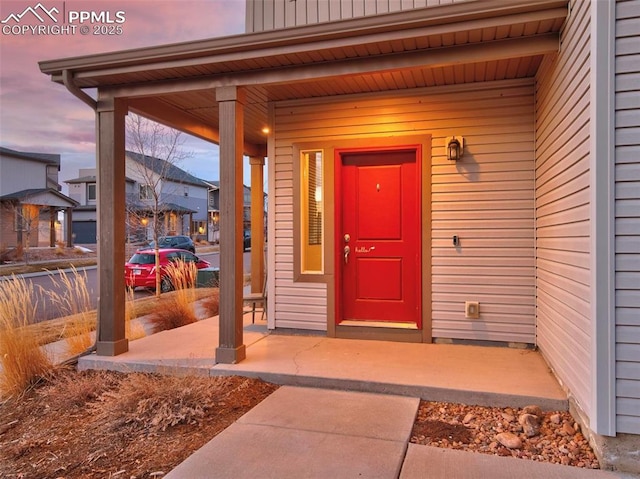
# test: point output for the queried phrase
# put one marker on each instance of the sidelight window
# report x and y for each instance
(311, 209)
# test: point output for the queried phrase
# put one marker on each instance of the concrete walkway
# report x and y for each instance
(348, 406)
(319, 433)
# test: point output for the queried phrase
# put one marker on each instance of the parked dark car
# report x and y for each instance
(140, 270)
(177, 242)
(246, 245)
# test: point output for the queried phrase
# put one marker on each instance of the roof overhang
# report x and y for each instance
(464, 42)
(45, 197)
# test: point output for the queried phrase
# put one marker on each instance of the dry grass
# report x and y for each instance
(101, 424)
(211, 303)
(74, 302)
(133, 330)
(23, 361)
(155, 403)
(172, 314)
(69, 389)
(50, 331)
(177, 311)
(183, 278)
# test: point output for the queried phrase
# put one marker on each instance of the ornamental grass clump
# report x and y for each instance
(211, 304)
(177, 310)
(133, 329)
(71, 297)
(23, 361)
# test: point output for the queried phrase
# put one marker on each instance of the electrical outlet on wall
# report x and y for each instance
(471, 309)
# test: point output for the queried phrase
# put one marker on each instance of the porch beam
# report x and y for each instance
(448, 19)
(231, 348)
(431, 58)
(110, 117)
(257, 224)
(173, 117)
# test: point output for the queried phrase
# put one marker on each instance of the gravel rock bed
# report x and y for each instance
(527, 433)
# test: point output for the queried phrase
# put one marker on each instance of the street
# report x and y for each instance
(47, 310)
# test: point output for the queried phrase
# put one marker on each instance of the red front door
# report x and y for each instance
(378, 237)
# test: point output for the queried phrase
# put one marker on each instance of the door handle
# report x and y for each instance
(347, 250)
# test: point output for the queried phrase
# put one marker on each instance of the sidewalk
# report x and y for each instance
(316, 433)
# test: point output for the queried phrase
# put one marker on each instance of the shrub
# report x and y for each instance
(154, 403)
(70, 389)
(23, 361)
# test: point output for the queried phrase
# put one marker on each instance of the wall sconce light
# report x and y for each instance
(144, 221)
(455, 146)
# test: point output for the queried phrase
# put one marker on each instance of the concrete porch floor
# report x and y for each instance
(492, 376)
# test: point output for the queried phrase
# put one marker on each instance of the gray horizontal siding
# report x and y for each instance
(275, 14)
(487, 200)
(562, 208)
(296, 305)
(627, 216)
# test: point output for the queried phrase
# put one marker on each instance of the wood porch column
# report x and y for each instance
(111, 226)
(52, 226)
(231, 347)
(68, 225)
(257, 224)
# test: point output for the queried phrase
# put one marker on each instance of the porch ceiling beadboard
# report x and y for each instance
(562, 203)
(627, 211)
(487, 199)
(450, 44)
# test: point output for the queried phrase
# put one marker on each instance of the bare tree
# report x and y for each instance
(159, 150)
(27, 223)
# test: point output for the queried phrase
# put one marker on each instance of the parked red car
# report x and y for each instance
(140, 270)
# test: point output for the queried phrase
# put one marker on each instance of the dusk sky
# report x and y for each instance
(37, 115)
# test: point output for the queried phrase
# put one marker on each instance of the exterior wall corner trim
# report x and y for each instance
(602, 227)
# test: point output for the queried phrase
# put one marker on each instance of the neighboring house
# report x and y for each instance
(214, 209)
(30, 200)
(83, 189)
(480, 156)
(182, 200)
